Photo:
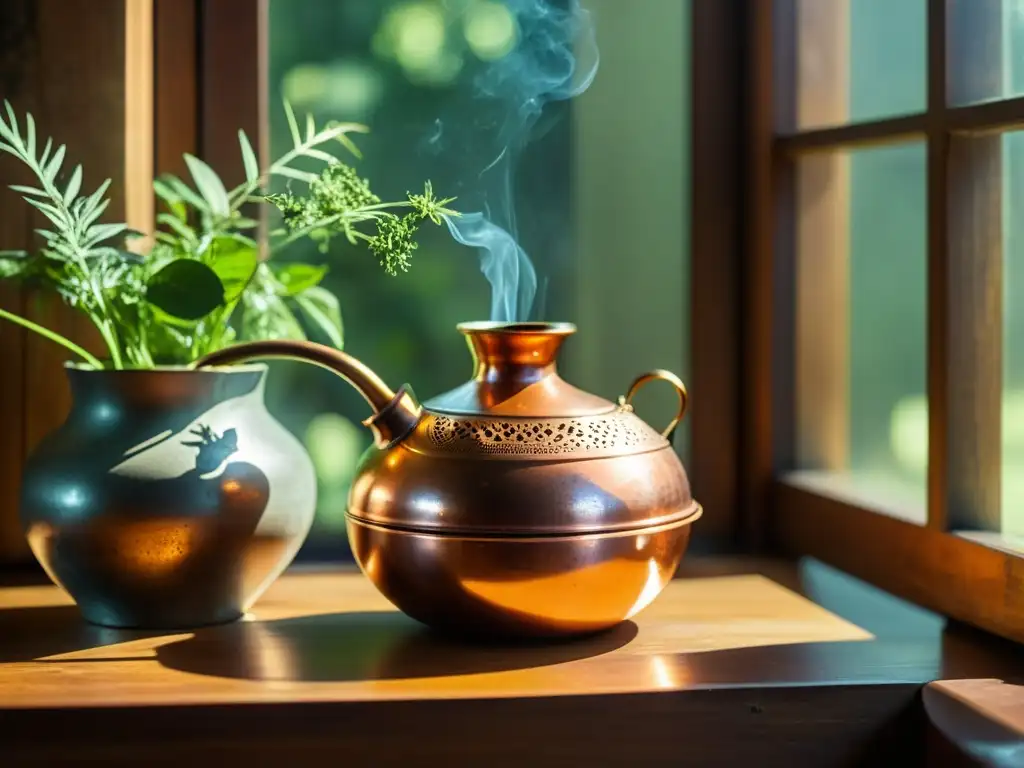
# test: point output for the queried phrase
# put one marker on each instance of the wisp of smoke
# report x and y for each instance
(555, 58)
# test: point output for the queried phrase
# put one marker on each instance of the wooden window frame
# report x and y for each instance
(743, 290)
(933, 565)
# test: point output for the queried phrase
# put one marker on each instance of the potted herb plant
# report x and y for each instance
(170, 497)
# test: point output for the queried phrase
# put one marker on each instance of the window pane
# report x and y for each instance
(1013, 338)
(856, 60)
(860, 326)
(986, 50)
(598, 191)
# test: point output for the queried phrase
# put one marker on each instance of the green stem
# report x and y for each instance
(298, 234)
(54, 337)
(111, 341)
(384, 206)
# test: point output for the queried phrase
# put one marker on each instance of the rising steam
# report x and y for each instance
(555, 58)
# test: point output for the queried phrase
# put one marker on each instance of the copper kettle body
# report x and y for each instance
(516, 504)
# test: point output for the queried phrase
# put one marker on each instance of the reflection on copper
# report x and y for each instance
(651, 589)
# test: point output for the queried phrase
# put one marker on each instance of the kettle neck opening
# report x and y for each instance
(520, 350)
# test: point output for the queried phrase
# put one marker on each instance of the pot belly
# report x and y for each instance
(525, 587)
(162, 548)
(162, 573)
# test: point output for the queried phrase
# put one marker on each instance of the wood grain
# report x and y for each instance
(945, 573)
(822, 273)
(974, 262)
(722, 670)
(714, 264)
(983, 720)
(234, 83)
(760, 355)
(176, 87)
(713, 673)
(81, 102)
(14, 226)
(334, 638)
(98, 100)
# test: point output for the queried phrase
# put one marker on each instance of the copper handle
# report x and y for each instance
(677, 384)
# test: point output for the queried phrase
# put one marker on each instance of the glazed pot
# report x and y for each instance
(515, 504)
(169, 498)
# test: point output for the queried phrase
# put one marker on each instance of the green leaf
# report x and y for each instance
(50, 212)
(50, 172)
(94, 199)
(13, 264)
(252, 167)
(88, 218)
(186, 289)
(209, 185)
(183, 230)
(30, 135)
(164, 192)
(319, 154)
(293, 125)
(46, 152)
(266, 316)
(339, 132)
(102, 232)
(14, 122)
(321, 307)
(171, 199)
(234, 259)
(185, 192)
(294, 173)
(119, 255)
(74, 184)
(296, 278)
(29, 190)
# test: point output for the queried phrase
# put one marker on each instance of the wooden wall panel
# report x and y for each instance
(14, 226)
(86, 85)
(714, 263)
(176, 60)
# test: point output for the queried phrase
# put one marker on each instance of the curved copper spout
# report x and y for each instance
(395, 414)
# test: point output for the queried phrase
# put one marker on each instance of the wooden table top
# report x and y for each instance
(727, 667)
(330, 636)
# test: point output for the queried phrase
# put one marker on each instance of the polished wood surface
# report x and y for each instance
(981, 722)
(740, 662)
(961, 578)
(332, 637)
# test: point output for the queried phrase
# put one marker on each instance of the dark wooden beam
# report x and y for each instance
(886, 131)
(714, 247)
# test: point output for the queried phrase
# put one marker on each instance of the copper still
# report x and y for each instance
(515, 504)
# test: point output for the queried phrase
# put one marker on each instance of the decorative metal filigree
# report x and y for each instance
(619, 430)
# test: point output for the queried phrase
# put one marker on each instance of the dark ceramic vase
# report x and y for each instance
(169, 498)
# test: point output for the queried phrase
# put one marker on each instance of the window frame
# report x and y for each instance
(931, 564)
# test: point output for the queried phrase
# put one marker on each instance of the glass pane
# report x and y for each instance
(860, 323)
(596, 195)
(1013, 338)
(856, 60)
(986, 50)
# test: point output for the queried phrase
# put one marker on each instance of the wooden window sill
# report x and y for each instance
(730, 665)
